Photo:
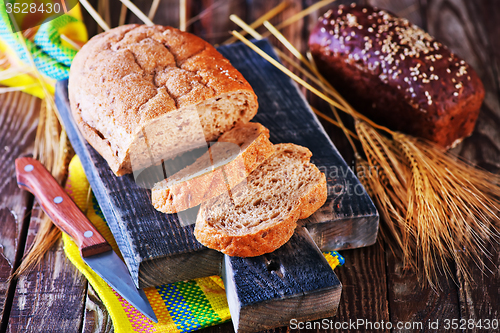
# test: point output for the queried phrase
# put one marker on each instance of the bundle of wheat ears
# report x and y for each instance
(437, 209)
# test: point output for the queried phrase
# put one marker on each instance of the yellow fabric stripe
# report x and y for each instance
(165, 322)
(332, 260)
(216, 295)
(218, 280)
(108, 297)
(77, 187)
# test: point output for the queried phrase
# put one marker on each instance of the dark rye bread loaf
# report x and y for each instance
(397, 74)
(143, 94)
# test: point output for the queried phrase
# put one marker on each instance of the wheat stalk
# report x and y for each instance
(152, 10)
(103, 10)
(95, 15)
(133, 8)
(302, 14)
(182, 15)
(51, 148)
(123, 15)
(258, 22)
(436, 207)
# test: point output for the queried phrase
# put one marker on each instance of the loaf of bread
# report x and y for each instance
(227, 163)
(143, 94)
(397, 74)
(260, 215)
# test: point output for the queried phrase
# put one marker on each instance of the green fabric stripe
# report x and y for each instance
(178, 308)
(198, 303)
(49, 40)
(338, 256)
(45, 64)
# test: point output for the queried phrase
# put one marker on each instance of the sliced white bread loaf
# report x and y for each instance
(260, 215)
(142, 94)
(227, 163)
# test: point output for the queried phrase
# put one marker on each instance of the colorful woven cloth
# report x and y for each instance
(180, 307)
(51, 53)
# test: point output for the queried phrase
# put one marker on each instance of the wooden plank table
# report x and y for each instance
(56, 298)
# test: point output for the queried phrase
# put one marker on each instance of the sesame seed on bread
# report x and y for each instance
(397, 74)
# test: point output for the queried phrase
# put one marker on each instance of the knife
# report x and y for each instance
(95, 250)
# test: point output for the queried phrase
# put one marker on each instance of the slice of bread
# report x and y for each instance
(260, 215)
(228, 162)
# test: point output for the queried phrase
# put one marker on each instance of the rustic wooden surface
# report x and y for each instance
(17, 134)
(293, 282)
(52, 295)
(375, 286)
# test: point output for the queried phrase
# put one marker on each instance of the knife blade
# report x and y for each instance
(95, 250)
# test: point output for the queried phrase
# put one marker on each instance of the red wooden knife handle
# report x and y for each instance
(32, 176)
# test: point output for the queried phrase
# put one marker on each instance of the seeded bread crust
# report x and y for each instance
(126, 86)
(397, 74)
(236, 223)
(189, 188)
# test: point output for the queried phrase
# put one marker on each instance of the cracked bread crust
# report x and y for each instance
(189, 187)
(141, 93)
(259, 216)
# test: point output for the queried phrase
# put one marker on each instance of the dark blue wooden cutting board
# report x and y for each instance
(158, 249)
